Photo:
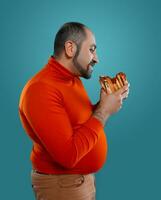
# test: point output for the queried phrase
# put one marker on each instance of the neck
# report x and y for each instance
(67, 63)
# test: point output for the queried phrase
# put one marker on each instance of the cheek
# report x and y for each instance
(85, 58)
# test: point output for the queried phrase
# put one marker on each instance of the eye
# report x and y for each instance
(92, 50)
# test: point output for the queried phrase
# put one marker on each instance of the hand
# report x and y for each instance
(110, 103)
(126, 93)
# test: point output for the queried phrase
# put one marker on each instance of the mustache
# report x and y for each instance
(92, 63)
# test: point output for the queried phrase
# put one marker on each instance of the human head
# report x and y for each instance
(77, 43)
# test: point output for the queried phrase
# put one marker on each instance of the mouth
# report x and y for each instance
(90, 68)
(92, 64)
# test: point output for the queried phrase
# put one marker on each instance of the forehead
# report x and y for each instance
(90, 38)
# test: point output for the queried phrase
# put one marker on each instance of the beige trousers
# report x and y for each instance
(63, 187)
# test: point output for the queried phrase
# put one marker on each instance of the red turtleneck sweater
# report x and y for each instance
(56, 113)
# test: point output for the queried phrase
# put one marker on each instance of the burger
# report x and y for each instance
(113, 84)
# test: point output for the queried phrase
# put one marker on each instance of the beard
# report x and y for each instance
(85, 73)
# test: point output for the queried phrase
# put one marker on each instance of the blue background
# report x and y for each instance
(128, 35)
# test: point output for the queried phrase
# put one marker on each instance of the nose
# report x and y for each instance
(95, 58)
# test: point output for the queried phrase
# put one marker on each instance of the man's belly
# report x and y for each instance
(90, 163)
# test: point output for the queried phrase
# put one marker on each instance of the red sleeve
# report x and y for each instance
(44, 109)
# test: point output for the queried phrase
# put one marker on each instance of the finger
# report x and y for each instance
(103, 89)
(122, 90)
(108, 90)
(126, 91)
(125, 95)
(118, 83)
(115, 87)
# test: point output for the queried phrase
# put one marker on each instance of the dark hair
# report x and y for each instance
(69, 31)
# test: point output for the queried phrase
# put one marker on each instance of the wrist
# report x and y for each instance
(102, 117)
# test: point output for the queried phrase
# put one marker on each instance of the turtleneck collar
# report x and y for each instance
(60, 70)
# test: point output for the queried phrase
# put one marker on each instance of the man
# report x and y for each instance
(69, 143)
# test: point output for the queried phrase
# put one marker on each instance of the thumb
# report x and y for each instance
(106, 90)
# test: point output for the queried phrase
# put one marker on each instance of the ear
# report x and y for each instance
(70, 48)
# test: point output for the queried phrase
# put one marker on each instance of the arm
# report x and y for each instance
(45, 112)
